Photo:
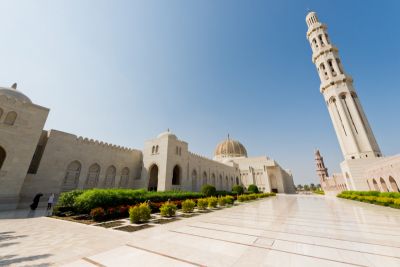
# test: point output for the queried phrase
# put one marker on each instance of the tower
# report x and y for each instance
(353, 131)
(322, 171)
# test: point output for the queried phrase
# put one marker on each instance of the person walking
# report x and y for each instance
(35, 202)
(50, 201)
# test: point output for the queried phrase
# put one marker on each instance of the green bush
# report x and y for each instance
(67, 199)
(168, 209)
(212, 202)
(140, 213)
(385, 201)
(106, 198)
(229, 200)
(243, 198)
(221, 201)
(202, 203)
(208, 190)
(253, 188)
(237, 189)
(188, 205)
(98, 214)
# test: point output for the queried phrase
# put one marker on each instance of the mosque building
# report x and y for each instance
(364, 167)
(34, 160)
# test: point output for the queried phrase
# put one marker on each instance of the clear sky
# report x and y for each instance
(124, 71)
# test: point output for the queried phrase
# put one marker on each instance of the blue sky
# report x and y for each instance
(123, 71)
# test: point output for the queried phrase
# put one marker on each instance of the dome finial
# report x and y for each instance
(14, 86)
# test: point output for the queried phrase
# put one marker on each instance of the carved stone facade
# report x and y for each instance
(33, 160)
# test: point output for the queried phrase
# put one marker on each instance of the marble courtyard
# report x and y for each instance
(287, 230)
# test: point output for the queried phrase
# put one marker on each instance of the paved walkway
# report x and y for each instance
(287, 230)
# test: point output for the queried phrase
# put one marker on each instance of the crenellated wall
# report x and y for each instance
(63, 150)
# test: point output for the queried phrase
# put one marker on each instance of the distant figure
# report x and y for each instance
(36, 201)
(50, 201)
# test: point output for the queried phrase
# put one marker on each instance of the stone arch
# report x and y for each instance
(124, 181)
(71, 178)
(92, 178)
(11, 117)
(369, 187)
(220, 182)
(1, 112)
(237, 180)
(194, 180)
(273, 183)
(204, 181)
(393, 184)
(213, 179)
(226, 187)
(3, 156)
(383, 185)
(376, 187)
(153, 178)
(176, 175)
(109, 181)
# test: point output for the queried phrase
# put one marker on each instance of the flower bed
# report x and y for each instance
(390, 199)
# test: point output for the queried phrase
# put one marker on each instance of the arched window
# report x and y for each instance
(71, 178)
(226, 183)
(156, 148)
(2, 156)
(176, 175)
(109, 181)
(124, 181)
(1, 112)
(237, 180)
(153, 150)
(376, 187)
(204, 178)
(213, 179)
(92, 178)
(194, 180)
(393, 184)
(10, 118)
(220, 182)
(177, 151)
(383, 185)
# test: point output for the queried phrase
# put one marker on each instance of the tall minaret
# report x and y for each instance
(351, 125)
(322, 171)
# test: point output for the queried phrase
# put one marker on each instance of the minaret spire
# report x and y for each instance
(322, 171)
(353, 131)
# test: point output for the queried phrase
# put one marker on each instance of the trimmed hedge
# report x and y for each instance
(238, 189)
(208, 190)
(84, 201)
(253, 188)
(391, 199)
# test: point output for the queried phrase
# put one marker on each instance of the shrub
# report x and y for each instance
(140, 213)
(208, 190)
(221, 201)
(253, 188)
(229, 200)
(238, 189)
(202, 203)
(168, 209)
(188, 205)
(212, 202)
(385, 201)
(98, 214)
(106, 198)
(67, 199)
(243, 198)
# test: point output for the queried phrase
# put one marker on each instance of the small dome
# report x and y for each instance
(167, 133)
(230, 149)
(13, 93)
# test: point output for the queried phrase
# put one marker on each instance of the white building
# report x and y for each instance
(363, 167)
(33, 160)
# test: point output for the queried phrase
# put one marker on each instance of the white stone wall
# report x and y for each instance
(63, 148)
(19, 142)
(384, 176)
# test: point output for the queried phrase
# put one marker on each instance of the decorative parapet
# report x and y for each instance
(87, 141)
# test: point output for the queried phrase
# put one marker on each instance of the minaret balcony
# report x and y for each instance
(322, 51)
(340, 78)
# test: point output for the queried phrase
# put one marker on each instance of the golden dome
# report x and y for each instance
(230, 149)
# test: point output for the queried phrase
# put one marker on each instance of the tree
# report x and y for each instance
(299, 187)
(312, 186)
(306, 187)
(253, 188)
(208, 190)
(238, 189)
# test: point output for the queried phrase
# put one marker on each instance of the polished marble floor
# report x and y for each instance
(287, 230)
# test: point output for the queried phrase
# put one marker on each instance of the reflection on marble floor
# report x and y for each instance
(288, 230)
